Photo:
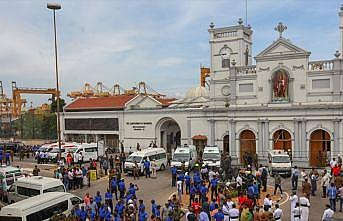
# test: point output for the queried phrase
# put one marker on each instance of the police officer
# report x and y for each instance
(234, 213)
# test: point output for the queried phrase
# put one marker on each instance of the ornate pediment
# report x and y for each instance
(282, 49)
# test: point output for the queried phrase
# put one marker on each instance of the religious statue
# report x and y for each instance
(280, 86)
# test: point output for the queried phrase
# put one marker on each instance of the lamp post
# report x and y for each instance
(54, 7)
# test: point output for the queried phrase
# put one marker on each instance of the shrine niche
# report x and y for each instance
(280, 86)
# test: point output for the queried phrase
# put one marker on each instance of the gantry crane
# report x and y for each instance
(18, 102)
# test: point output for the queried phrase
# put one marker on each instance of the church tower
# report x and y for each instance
(228, 45)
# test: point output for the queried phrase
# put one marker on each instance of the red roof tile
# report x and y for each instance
(199, 137)
(165, 101)
(112, 102)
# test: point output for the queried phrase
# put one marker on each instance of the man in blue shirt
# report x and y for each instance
(203, 192)
(122, 188)
(83, 214)
(174, 173)
(331, 193)
(114, 187)
(132, 189)
(214, 187)
(143, 216)
(102, 212)
(98, 199)
(120, 208)
(219, 216)
(153, 207)
(192, 193)
(141, 206)
(188, 181)
(147, 168)
(109, 199)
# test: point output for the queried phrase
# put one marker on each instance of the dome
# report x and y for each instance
(197, 92)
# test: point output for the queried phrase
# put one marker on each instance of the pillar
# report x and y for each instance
(266, 138)
(233, 148)
(296, 148)
(303, 145)
(336, 137)
(212, 132)
(189, 131)
(260, 141)
(341, 30)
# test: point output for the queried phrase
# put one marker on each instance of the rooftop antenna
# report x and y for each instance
(246, 12)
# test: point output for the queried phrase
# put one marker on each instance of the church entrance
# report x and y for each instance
(169, 134)
(226, 145)
(247, 146)
(199, 141)
(320, 147)
(282, 141)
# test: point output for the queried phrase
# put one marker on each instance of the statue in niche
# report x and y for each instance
(280, 85)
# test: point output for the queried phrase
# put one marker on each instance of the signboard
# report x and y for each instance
(138, 125)
(107, 124)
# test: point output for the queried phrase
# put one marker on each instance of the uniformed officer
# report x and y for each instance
(328, 213)
(297, 212)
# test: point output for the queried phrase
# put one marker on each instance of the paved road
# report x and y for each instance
(160, 190)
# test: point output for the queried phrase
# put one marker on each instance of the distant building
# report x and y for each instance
(285, 101)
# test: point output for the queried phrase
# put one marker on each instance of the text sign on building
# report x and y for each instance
(138, 125)
(107, 124)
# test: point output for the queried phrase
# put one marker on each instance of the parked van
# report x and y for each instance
(211, 156)
(8, 175)
(87, 150)
(41, 207)
(151, 153)
(186, 154)
(27, 187)
(279, 162)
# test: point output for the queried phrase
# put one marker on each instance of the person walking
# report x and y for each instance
(264, 177)
(325, 182)
(234, 213)
(277, 213)
(174, 174)
(328, 213)
(313, 179)
(305, 206)
(277, 183)
(295, 178)
(35, 171)
(294, 200)
(147, 168)
(297, 212)
(340, 197)
(306, 186)
(331, 193)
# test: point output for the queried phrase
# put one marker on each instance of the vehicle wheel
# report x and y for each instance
(162, 167)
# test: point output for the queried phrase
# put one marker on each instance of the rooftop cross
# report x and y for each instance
(280, 28)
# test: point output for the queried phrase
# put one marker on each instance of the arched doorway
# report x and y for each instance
(199, 141)
(247, 146)
(320, 147)
(282, 140)
(169, 134)
(226, 145)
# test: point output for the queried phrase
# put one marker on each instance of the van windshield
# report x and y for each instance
(72, 150)
(281, 159)
(179, 157)
(211, 156)
(133, 159)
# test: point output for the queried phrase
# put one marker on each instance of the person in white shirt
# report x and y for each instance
(239, 182)
(277, 213)
(267, 202)
(294, 199)
(211, 174)
(179, 189)
(227, 206)
(328, 213)
(333, 162)
(297, 212)
(325, 182)
(234, 213)
(305, 206)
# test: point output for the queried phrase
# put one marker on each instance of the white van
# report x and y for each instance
(151, 153)
(211, 156)
(279, 162)
(8, 175)
(27, 187)
(41, 207)
(186, 154)
(87, 150)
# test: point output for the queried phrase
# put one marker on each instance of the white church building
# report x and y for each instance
(284, 101)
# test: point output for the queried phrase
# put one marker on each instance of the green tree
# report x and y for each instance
(54, 105)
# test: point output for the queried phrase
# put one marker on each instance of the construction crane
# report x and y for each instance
(18, 101)
(87, 91)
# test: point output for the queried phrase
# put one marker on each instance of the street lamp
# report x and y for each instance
(54, 7)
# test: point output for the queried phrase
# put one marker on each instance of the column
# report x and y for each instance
(266, 138)
(336, 135)
(260, 142)
(211, 132)
(233, 148)
(303, 146)
(189, 131)
(296, 140)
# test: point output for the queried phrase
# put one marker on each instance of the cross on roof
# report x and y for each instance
(280, 28)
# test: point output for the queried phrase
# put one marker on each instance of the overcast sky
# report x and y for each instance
(160, 42)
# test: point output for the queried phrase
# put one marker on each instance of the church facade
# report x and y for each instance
(283, 101)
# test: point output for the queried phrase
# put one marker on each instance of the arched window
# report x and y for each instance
(225, 53)
(280, 86)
